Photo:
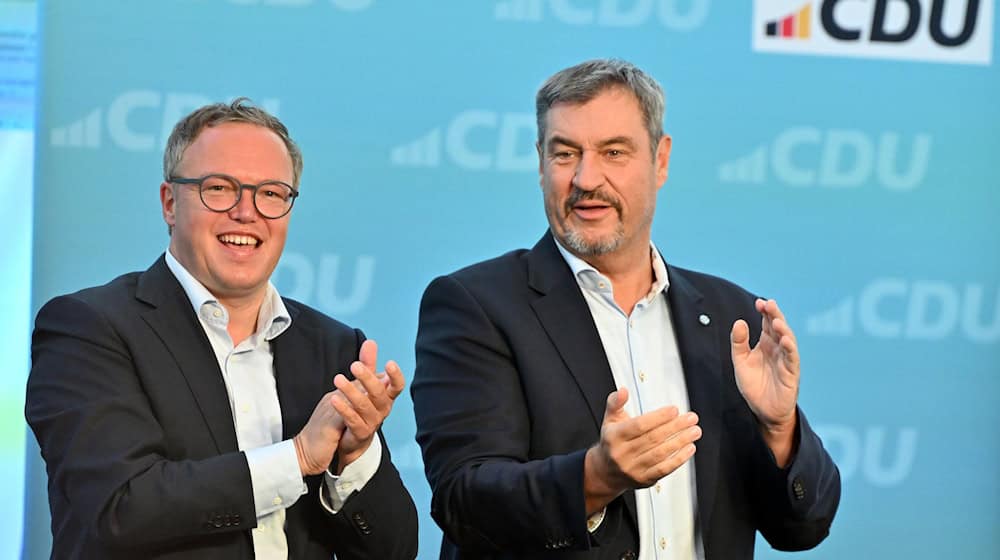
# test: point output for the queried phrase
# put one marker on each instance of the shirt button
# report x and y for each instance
(663, 543)
(217, 313)
(658, 488)
(244, 409)
(276, 501)
(601, 285)
(631, 323)
(642, 376)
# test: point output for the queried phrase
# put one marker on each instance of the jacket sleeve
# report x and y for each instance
(378, 521)
(474, 429)
(796, 505)
(105, 452)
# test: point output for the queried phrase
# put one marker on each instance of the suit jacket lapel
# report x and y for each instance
(300, 387)
(564, 315)
(175, 323)
(698, 344)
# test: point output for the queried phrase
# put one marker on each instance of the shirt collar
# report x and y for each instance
(272, 319)
(590, 278)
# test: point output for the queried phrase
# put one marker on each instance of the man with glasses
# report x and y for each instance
(189, 411)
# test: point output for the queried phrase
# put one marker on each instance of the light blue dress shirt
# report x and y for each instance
(248, 372)
(644, 358)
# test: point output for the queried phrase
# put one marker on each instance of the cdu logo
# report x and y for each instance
(321, 283)
(881, 456)
(677, 15)
(894, 308)
(958, 31)
(836, 158)
(137, 121)
(477, 140)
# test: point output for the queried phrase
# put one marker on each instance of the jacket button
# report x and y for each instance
(798, 488)
(361, 523)
(217, 522)
(627, 555)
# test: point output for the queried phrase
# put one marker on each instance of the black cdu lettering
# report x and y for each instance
(832, 27)
(879, 33)
(968, 26)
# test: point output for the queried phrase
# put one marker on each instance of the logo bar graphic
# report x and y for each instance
(792, 26)
(422, 152)
(84, 133)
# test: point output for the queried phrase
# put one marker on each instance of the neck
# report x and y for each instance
(630, 271)
(243, 313)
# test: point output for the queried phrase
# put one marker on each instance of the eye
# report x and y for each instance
(273, 191)
(563, 155)
(216, 185)
(615, 153)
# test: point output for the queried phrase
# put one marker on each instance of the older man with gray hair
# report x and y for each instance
(586, 400)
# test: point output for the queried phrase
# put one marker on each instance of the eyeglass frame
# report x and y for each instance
(199, 182)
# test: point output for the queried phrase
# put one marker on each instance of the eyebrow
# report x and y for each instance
(563, 141)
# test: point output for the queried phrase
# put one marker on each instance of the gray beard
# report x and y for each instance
(583, 248)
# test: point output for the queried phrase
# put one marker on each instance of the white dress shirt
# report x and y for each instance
(248, 372)
(643, 355)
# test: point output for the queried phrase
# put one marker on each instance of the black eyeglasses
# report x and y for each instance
(221, 193)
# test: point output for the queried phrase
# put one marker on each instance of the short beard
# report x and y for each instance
(576, 242)
(583, 248)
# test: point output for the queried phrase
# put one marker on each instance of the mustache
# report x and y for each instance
(579, 195)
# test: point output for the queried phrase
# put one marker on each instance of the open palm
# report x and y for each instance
(768, 374)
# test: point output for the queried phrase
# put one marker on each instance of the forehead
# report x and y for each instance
(614, 111)
(244, 150)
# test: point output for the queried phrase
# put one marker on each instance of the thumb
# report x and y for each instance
(615, 409)
(368, 355)
(739, 338)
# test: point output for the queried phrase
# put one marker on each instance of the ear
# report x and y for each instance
(541, 161)
(662, 162)
(168, 204)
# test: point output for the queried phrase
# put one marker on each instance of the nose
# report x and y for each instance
(589, 175)
(244, 211)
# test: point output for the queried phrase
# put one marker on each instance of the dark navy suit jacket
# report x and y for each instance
(509, 392)
(133, 419)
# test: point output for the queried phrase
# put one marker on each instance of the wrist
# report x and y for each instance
(598, 491)
(347, 456)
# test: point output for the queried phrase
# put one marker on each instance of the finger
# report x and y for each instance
(396, 381)
(667, 446)
(368, 354)
(782, 329)
(614, 410)
(669, 463)
(773, 310)
(739, 338)
(373, 387)
(666, 431)
(790, 353)
(653, 420)
(359, 401)
(355, 422)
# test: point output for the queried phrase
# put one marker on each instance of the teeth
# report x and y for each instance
(238, 239)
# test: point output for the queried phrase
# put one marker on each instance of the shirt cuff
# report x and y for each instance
(275, 476)
(336, 489)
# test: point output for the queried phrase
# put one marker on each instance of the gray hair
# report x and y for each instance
(241, 110)
(585, 81)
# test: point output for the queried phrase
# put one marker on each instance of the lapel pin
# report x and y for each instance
(704, 319)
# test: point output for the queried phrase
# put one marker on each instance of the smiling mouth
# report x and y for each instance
(239, 240)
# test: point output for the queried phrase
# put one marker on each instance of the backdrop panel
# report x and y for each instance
(837, 156)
